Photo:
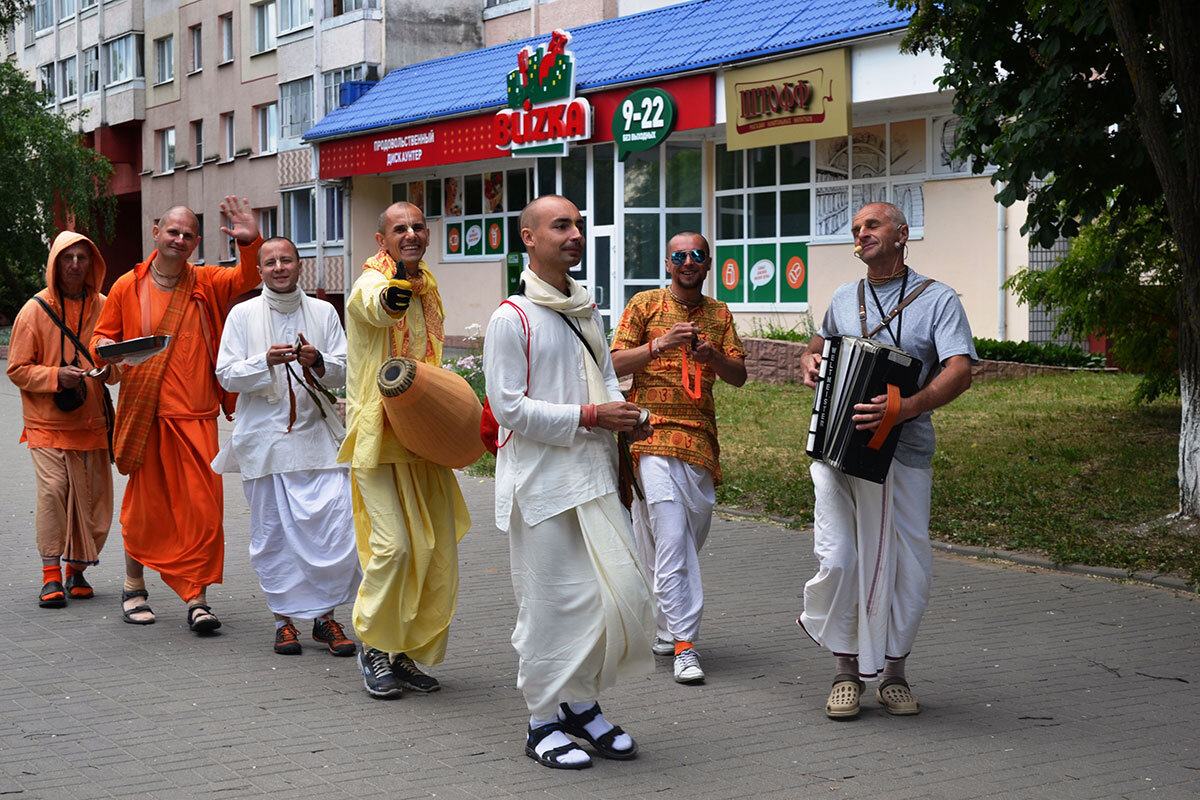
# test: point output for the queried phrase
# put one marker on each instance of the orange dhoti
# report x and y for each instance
(173, 506)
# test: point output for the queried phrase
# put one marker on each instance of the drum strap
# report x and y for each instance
(488, 427)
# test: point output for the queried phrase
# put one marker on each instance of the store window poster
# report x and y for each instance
(762, 273)
(416, 194)
(493, 236)
(793, 286)
(730, 268)
(452, 194)
(493, 192)
(473, 237)
(454, 238)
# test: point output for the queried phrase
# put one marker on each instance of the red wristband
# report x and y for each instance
(589, 416)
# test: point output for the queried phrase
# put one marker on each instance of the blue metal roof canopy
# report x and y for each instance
(679, 38)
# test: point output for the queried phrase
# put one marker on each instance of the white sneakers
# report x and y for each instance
(687, 667)
(663, 647)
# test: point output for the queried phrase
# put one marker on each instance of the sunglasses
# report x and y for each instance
(679, 257)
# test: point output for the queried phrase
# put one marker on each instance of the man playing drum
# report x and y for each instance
(409, 513)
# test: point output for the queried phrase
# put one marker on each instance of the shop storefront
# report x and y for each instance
(767, 160)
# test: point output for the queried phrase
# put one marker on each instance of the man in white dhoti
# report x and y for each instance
(584, 613)
(280, 351)
(872, 541)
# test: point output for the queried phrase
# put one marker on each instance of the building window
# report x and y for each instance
(197, 38)
(268, 222)
(123, 59)
(46, 82)
(68, 77)
(198, 255)
(66, 9)
(164, 59)
(294, 14)
(334, 79)
(91, 70)
(268, 127)
(225, 21)
(166, 150)
(334, 228)
(480, 210)
(334, 8)
(86, 4)
(300, 216)
(297, 107)
(198, 142)
(30, 27)
(265, 27)
(227, 135)
(43, 14)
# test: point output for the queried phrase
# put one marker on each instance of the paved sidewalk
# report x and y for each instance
(1034, 685)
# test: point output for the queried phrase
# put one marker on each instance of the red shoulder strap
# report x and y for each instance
(528, 369)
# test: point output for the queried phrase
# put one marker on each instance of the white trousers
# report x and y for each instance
(671, 526)
(584, 615)
(302, 540)
(876, 566)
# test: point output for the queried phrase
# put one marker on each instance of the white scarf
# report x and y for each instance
(577, 303)
(261, 335)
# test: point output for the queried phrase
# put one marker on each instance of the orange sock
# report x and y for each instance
(53, 573)
(681, 646)
(71, 569)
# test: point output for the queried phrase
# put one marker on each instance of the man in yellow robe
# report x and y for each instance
(409, 513)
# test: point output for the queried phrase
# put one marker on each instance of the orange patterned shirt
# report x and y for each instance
(683, 428)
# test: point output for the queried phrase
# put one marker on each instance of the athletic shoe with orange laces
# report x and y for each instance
(287, 640)
(328, 631)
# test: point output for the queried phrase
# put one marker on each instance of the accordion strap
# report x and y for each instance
(890, 413)
(862, 307)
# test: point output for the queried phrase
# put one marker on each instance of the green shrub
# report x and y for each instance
(1049, 354)
(802, 331)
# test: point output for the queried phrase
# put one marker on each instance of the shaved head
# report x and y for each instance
(397, 207)
(178, 210)
(531, 214)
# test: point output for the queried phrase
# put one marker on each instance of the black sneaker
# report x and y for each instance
(328, 632)
(287, 640)
(378, 679)
(408, 676)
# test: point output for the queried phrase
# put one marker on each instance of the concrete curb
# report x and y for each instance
(1024, 559)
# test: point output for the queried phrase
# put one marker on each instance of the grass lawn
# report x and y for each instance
(1063, 466)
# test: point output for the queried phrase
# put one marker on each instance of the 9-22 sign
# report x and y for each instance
(642, 121)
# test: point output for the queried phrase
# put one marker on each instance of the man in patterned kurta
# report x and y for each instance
(408, 512)
(676, 342)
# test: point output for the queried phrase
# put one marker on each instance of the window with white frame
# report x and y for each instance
(334, 8)
(198, 256)
(334, 228)
(267, 120)
(198, 142)
(43, 14)
(66, 9)
(164, 59)
(268, 222)
(46, 82)
(197, 38)
(299, 209)
(123, 59)
(68, 77)
(86, 4)
(30, 27)
(294, 14)
(225, 23)
(480, 210)
(227, 136)
(166, 150)
(265, 26)
(334, 78)
(296, 102)
(90, 77)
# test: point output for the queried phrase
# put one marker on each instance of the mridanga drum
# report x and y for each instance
(433, 411)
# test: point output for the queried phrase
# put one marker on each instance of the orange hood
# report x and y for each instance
(91, 284)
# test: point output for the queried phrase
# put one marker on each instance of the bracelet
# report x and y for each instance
(588, 417)
(654, 354)
(320, 362)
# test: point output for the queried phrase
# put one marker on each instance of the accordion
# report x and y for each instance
(854, 370)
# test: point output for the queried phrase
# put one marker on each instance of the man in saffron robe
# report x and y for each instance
(166, 430)
(409, 513)
(69, 447)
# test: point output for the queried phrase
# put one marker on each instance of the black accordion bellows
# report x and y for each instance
(853, 370)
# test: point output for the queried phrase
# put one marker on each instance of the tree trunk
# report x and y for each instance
(1180, 36)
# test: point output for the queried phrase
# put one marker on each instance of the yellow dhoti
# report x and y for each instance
(408, 519)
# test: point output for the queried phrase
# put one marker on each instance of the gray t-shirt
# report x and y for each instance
(933, 328)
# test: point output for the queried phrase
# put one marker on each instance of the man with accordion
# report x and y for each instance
(903, 347)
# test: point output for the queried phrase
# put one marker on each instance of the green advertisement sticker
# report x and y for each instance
(642, 121)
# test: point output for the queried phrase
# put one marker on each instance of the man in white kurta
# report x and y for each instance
(584, 613)
(872, 541)
(285, 441)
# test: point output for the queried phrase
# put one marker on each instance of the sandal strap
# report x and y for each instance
(542, 731)
(846, 677)
(129, 594)
(198, 607)
(583, 717)
(51, 588)
(893, 682)
(605, 740)
(136, 609)
(558, 751)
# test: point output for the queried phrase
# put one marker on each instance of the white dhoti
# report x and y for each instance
(671, 526)
(302, 540)
(584, 614)
(872, 543)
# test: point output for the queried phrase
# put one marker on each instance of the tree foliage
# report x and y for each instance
(1121, 280)
(47, 176)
